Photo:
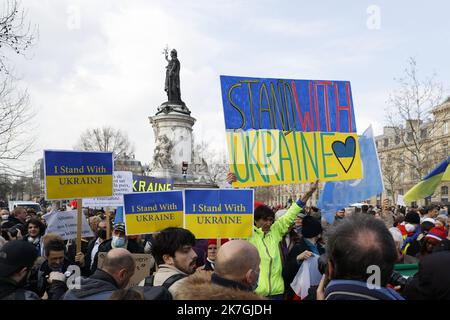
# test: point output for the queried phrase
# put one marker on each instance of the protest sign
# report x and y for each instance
(122, 183)
(64, 223)
(75, 175)
(144, 262)
(400, 200)
(340, 194)
(150, 212)
(151, 184)
(215, 213)
(290, 131)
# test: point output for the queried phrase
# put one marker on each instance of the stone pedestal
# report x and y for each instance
(174, 144)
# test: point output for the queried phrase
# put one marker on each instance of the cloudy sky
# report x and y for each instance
(99, 62)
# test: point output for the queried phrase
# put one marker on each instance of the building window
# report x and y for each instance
(446, 127)
(444, 190)
(397, 140)
(386, 142)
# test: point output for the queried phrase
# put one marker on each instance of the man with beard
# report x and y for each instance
(176, 259)
(16, 259)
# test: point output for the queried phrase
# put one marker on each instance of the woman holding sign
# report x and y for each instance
(267, 234)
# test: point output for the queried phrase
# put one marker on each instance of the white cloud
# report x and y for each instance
(110, 70)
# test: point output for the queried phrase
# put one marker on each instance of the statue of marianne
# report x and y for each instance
(172, 85)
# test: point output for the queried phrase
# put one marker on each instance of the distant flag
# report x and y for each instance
(340, 194)
(426, 187)
(119, 215)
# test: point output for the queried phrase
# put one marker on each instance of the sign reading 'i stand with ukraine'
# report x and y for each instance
(150, 212)
(78, 174)
(283, 131)
(212, 213)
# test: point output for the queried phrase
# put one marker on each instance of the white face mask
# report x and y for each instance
(410, 227)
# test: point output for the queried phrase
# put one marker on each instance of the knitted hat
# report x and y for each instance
(438, 233)
(120, 226)
(412, 217)
(311, 227)
(257, 204)
(214, 241)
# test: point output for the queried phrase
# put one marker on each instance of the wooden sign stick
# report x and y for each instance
(79, 224)
(108, 224)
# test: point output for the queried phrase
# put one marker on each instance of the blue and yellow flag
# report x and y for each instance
(426, 187)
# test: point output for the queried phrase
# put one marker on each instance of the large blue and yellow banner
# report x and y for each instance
(151, 184)
(290, 131)
(150, 212)
(78, 174)
(214, 213)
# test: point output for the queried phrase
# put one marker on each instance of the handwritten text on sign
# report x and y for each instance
(290, 131)
(213, 213)
(78, 174)
(64, 223)
(122, 183)
(151, 212)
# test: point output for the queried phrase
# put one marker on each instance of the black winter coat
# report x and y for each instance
(432, 282)
(292, 265)
(9, 290)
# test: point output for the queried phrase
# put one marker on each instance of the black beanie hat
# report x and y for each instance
(412, 217)
(311, 227)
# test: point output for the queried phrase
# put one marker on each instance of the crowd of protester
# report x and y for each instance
(38, 265)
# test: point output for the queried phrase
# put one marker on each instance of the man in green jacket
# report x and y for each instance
(267, 235)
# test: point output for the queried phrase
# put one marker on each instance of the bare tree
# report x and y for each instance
(410, 116)
(105, 139)
(15, 33)
(391, 173)
(16, 131)
(218, 165)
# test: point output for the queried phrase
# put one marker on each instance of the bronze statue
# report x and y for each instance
(172, 86)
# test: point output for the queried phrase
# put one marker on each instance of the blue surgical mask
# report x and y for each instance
(118, 242)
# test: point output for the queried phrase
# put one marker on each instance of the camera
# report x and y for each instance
(397, 279)
(14, 230)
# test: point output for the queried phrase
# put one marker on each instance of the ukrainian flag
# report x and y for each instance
(428, 184)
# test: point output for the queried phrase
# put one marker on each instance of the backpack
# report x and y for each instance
(160, 292)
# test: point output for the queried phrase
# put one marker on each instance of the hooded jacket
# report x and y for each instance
(99, 286)
(200, 287)
(270, 277)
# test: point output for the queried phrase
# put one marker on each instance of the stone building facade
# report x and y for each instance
(398, 176)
